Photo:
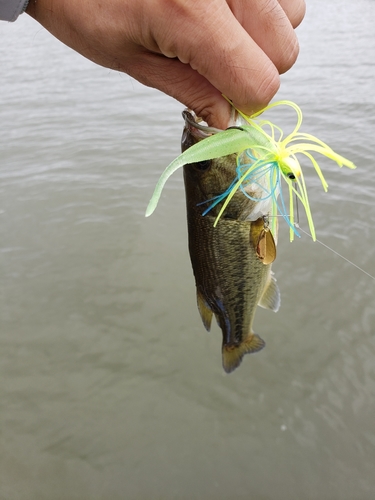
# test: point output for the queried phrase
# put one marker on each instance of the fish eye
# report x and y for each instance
(202, 165)
(291, 176)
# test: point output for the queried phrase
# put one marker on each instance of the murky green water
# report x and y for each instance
(111, 388)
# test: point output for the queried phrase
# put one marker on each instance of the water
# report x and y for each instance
(111, 388)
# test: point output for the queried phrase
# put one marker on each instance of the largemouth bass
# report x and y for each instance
(230, 262)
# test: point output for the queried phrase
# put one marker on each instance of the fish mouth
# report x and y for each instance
(199, 128)
(196, 126)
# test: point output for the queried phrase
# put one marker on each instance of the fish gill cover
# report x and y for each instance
(269, 156)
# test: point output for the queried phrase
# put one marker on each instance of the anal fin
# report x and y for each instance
(204, 311)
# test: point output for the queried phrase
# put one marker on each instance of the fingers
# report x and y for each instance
(215, 44)
(240, 47)
(269, 26)
(193, 50)
(295, 10)
(181, 82)
(219, 56)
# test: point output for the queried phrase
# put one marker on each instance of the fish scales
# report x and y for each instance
(226, 267)
(230, 278)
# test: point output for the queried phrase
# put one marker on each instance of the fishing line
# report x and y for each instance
(296, 224)
(326, 246)
(336, 253)
(297, 207)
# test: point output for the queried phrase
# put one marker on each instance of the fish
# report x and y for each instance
(231, 257)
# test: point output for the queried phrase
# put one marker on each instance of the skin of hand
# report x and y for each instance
(193, 50)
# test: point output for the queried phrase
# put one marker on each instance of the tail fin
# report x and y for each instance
(233, 354)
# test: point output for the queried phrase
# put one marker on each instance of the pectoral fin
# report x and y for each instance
(204, 311)
(271, 295)
(233, 354)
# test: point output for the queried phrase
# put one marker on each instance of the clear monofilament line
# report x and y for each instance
(337, 253)
(296, 224)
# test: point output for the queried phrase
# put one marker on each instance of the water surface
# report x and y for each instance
(111, 388)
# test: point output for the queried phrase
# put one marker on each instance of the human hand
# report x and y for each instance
(193, 50)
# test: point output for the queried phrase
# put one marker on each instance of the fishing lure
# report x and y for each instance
(266, 154)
